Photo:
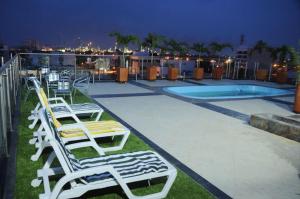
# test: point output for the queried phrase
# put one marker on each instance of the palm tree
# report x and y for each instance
(260, 46)
(294, 58)
(281, 54)
(200, 49)
(216, 47)
(124, 41)
(178, 48)
(153, 41)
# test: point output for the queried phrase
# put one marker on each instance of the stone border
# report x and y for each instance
(124, 95)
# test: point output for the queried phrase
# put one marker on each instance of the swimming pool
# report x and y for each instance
(225, 91)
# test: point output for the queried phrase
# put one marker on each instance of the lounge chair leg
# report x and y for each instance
(27, 95)
(71, 98)
(32, 125)
(34, 113)
(41, 147)
(31, 117)
(36, 156)
(32, 140)
(36, 182)
(99, 115)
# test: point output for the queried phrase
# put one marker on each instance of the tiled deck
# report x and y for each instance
(212, 138)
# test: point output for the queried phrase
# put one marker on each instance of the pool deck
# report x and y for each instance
(212, 138)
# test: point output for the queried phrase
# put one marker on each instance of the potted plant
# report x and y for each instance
(199, 71)
(178, 50)
(295, 62)
(260, 46)
(215, 48)
(281, 74)
(152, 41)
(124, 41)
(261, 74)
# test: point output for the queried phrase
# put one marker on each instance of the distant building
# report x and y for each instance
(32, 44)
(241, 54)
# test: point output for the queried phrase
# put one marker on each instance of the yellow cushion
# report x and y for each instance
(56, 123)
(44, 98)
(95, 128)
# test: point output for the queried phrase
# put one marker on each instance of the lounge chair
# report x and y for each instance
(61, 108)
(78, 131)
(84, 132)
(82, 175)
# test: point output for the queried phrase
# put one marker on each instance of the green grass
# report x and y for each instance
(184, 186)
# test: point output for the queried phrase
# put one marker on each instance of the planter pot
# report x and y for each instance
(297, 100)
(172, 74)
(122, 74)
(198, 73)
(151, 73)
(261, 74)
(217, 73)
(134, 68)
(282, 77)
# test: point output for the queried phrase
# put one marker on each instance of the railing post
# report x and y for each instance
(9, 83)
(3, 125)
(8, 97)
(142, 68)
(75, 70)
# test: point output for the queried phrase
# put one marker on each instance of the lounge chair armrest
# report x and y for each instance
(62, 102)
(81, 126)
(56, 99)
(93, 171)
(82, 173)
(57, 104)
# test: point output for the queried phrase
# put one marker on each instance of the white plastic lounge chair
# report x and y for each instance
(81, 83)
(79, 131)
(59, 107)
(83, 175)
(52, 81)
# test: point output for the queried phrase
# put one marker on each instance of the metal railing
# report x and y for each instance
(78, 63)
(102, 67)
(9, 85)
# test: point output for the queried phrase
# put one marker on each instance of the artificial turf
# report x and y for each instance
(183, 187)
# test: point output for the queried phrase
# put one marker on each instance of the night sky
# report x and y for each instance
(61, 22)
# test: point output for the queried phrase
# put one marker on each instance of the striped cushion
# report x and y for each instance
(60, 109)
(85, 107)
(95, 128)
(77, 108)
(73, 161)
(127, 165)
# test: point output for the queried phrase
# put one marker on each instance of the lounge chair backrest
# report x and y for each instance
(67, 159)
(45, 104)
(53, 77)
(44, 101)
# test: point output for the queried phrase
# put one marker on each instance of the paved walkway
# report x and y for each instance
(242, 161)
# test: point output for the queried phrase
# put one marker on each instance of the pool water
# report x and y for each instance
(226, 91)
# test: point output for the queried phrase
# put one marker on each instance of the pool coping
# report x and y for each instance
(206, 103)
(165, 89)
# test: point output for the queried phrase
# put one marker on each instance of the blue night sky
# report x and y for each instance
(58, 22)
